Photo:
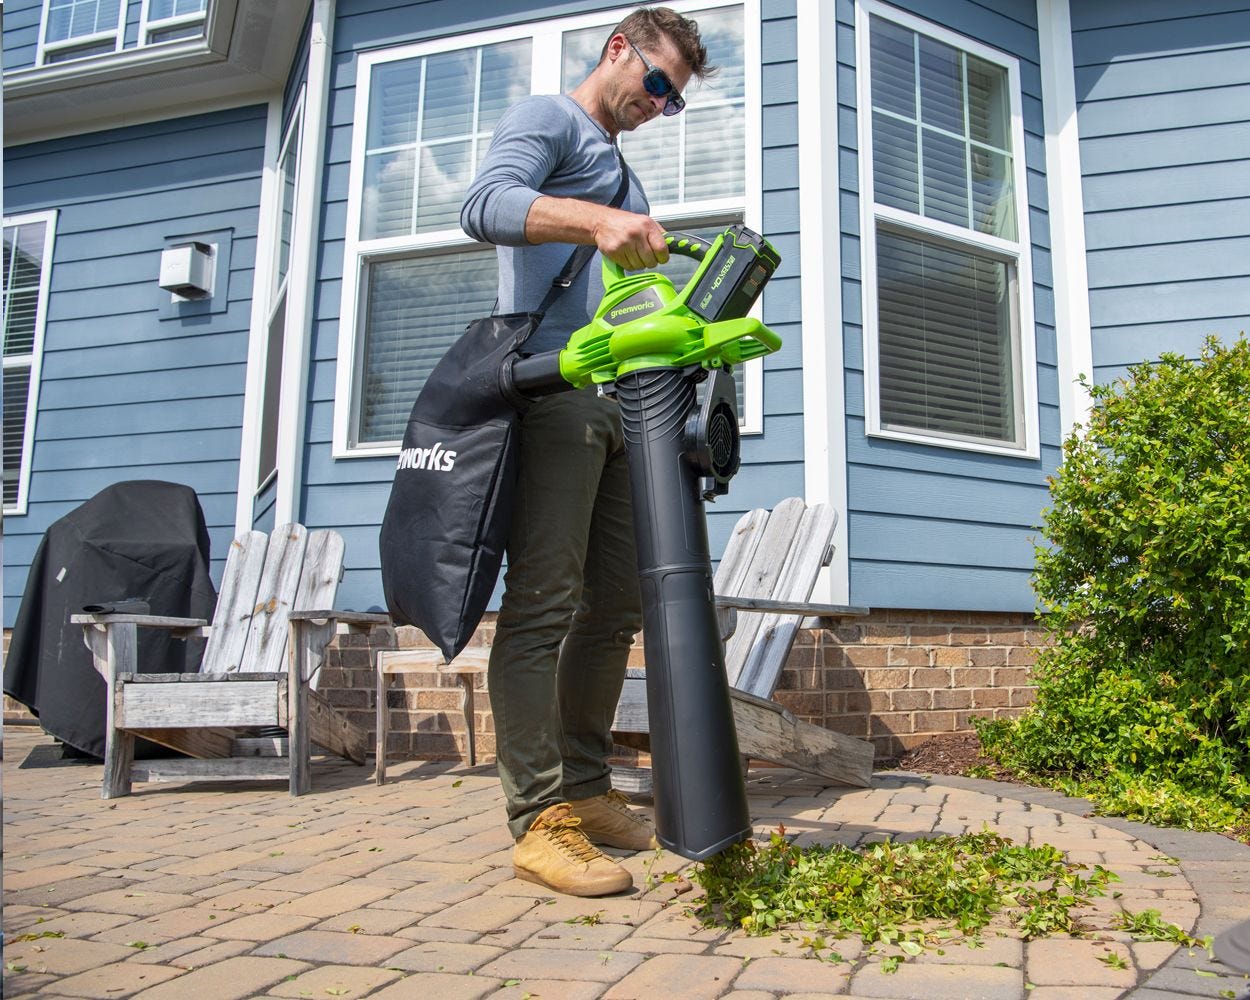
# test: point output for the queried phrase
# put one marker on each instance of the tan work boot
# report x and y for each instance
(608, 819)
(555, 853)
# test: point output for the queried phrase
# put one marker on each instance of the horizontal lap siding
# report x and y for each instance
(350, 494)
(21, 20)
(126, 394)
(1164, 116)
(934, 527)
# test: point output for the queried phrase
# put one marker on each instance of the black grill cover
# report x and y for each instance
(143, 541)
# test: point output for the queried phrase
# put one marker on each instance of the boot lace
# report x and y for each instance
(619, 802)
(571, 841)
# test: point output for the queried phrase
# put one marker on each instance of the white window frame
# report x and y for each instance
(279, 285)
(147, 24)
(1018, 252)
(35, 358)
(545, 79)
(46, 48)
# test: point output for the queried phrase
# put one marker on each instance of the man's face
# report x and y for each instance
(627, 100)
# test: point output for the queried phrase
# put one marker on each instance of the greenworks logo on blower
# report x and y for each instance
(432, 459)
(636, 308)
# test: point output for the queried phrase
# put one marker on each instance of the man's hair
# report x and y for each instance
(647, 26)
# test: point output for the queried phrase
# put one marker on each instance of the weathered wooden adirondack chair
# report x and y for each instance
(259, 668)
(762, 588)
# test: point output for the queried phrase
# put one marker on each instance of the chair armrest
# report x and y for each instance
(804, 608)
(346, 621)
(183, 628)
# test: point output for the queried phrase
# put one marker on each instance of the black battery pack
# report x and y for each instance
(733, 279)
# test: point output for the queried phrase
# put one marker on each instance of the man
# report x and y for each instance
(571, 604)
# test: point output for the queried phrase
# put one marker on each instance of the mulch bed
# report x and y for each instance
(952, 753)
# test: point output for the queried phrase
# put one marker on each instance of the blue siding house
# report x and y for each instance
(976, 201)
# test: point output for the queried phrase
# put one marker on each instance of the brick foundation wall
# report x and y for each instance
(896, 678)
(15, 712)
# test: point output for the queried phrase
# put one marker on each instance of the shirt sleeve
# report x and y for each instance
(525, 150)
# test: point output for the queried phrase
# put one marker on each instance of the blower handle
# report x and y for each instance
(682, 244)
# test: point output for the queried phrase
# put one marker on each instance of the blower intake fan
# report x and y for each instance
(712, 444)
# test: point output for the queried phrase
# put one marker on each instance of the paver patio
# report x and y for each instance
(215, 892)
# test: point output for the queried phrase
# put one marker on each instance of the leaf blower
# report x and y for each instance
(666, 355)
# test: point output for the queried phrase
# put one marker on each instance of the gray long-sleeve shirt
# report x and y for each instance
(544, 145)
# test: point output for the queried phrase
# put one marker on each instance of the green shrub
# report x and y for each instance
(1144, 699)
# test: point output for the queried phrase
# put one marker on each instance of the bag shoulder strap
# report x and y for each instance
(580, 257)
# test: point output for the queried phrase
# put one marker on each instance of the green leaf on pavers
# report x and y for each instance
(337, 991)
(457, 783)
(589, 919)
(1148, 925)
(889, 965)
(138, 944)
(14, 967)
(898, 894)
(512, 982)
(1113, 960)
(42, 934)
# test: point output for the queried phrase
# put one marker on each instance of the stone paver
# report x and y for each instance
(122, 979)
(233, 979)
(407, 891)
(346, 981)
(939, 982)
(335, 946)
(677, 977)
(427, 985)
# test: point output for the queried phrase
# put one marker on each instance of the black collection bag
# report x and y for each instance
(446, 523)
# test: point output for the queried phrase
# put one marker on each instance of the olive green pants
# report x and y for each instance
(570, 609)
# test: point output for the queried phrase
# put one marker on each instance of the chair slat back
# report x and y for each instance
(235, 601)
(775, 634)
(275, 599)
(739, 550)
(319, 581)
(759, 578)
(323, 569)
(786, 563)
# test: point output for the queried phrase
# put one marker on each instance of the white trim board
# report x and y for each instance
(1073, 336)
(824, 390)
(302, 268)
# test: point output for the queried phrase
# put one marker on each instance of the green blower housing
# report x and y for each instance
(666, 355)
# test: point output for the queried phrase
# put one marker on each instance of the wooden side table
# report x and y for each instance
(393, 662)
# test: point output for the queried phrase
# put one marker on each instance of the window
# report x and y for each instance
(426, 113)
(288, 167)
(171, 20)
(948, 317)
(27, 269)
(73, 29)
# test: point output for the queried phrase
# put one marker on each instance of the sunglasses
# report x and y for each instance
(656, 83)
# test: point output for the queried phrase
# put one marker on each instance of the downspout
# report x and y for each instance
(305, 234)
